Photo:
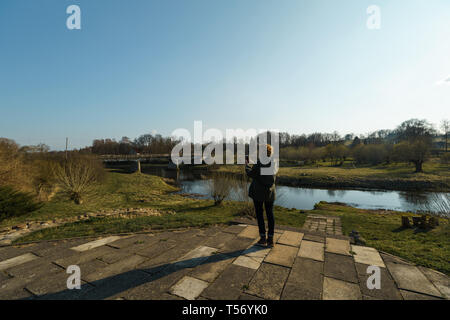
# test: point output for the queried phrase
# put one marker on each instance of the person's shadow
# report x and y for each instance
(112, 286)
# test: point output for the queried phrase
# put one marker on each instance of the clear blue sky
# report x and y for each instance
(147, 66)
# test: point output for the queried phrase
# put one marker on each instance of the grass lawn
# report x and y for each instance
(379, 228)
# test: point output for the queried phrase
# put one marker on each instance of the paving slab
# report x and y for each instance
(11, 262)
(340, 267)
(196, 256)
(115, 256)
(388, 290)
(34, 268)
(17, 294)
(185, 235)
(3, 276)
(91, 266)
(268, 282)
(95, 243)
(219, 240)
(251, 232)
(246, 296)
(230, 283)
(189, 288)
(393, 259)
(14, 251)
(235, 228)
(156, 249)
(311, 250)
(14, 286)
(34, 264)
(408, 295)
(315, 238)
(256, 251)
(139, 239)
(236, 246)
(83, 257)
(367, 255)
(210, 269)
(440, 280)
(111, 288)
(56, 284)
(211, 231)
(369, 298)
(56, 249)
(305, 281)
(411, 278)
(156, 286)
(168, 296)
(334, 289)
(174, 256)
(115, 268)
(337, 246)
(248, 262)
(282, 255)
(291, 238)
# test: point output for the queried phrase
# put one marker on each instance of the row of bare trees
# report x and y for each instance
(412, 142)
(145, 144)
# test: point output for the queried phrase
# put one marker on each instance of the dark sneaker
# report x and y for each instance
(270, 242)
(261, 242)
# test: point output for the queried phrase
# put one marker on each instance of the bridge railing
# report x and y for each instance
(132, 156)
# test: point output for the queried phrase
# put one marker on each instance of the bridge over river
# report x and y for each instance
(148, 158)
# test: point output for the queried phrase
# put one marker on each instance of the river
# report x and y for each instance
(196, 184)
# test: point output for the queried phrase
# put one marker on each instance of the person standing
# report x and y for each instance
(262, 191)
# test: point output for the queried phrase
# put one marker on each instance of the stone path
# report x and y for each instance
(9, 234)
(220, 262)
(327, 224)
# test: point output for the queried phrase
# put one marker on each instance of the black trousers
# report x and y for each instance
(260, 217)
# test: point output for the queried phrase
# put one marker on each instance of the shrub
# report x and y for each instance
(220, 187)
(15, 203)
(372, 153)
(78, 175)
(304, 154)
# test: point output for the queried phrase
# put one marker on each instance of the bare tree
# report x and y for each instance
(415, 137)
(78, 175)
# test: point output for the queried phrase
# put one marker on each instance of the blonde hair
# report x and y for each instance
(269, 150)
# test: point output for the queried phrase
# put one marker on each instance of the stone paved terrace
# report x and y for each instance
(219, 262)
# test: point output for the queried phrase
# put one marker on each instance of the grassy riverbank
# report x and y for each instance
(121, 191)
(436, 176)
(379, 228)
